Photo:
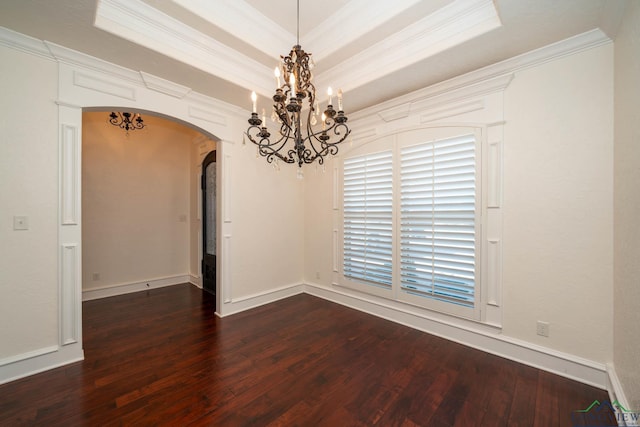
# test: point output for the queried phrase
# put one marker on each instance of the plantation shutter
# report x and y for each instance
(437, 220)
(368, 218)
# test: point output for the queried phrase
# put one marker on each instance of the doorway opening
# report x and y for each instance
(209, 199)
(141, 204)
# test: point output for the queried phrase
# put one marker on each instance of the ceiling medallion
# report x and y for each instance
(296, 140)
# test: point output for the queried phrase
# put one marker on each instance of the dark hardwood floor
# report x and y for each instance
(161, 357)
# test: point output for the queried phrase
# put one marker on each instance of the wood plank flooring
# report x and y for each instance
(161, 357)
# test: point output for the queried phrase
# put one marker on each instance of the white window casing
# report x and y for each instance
(412, 219)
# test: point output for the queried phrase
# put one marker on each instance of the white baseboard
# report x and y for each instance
(236, 305)
(566, 365)
(34, 362)
(127, 288)
(616, 393)
(195, 281)
(483, 339)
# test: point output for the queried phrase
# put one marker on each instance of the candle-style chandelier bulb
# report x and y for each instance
(297, 141)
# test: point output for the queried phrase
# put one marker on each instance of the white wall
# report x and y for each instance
(274, 232)
(135, 201)
(627, 205)
(45, 88)
(557, 263)
(28, 187)
(269, 205)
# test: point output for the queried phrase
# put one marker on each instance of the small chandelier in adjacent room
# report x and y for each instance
(295, 126)
(126, 121)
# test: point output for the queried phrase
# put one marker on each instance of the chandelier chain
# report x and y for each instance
(298, 23)
(296, 124)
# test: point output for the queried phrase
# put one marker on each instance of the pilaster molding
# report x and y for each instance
(494, 273)
(226, 269)
(70, 284)
(70, 180)
(226, 186)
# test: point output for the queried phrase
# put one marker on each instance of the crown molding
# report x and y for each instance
(350, 22)
(61, 54)
(23, 43)
(238, 18)
(431, 104)
(452, 110)
(461, 94)
(449, 26)
(488, 78)
(73, 57)
(396, 112)
(146, 26)
(209, 103)
(365, 134)
(207, 115)
(164, 86)
(612, 17)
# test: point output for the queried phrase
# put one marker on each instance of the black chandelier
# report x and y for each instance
(124, 121)
(308, 144)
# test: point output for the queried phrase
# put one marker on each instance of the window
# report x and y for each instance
(368, 218)
(411, 220)
(437, 220)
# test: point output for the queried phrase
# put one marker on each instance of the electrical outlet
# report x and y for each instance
(317, 274)
(543, 328)
(20, 223)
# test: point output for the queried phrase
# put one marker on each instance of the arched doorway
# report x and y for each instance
(88, 84)
(140, 228)
(209, 178)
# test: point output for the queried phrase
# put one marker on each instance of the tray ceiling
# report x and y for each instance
(373, 49)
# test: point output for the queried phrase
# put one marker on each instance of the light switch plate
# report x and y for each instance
(20, 223)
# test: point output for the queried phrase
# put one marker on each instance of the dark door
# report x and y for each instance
(209, 223)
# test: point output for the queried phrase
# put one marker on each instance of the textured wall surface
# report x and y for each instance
(627, 205)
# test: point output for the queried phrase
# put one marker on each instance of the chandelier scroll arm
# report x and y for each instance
(127, 121)
(308, 145)
(266, 147)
